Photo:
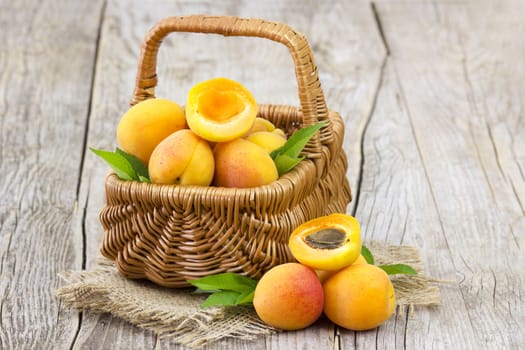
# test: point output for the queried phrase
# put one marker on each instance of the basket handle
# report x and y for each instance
(311, 97)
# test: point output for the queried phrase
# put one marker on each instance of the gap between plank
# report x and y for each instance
(432, 189)
(83, 156)
(337, 339)
(377, 21)
(91, 90)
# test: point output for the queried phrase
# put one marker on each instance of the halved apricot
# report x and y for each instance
(327, 243)
(220, 110)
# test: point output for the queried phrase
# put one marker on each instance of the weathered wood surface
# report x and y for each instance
(433, 98)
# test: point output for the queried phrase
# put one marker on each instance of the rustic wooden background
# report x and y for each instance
(433, 97)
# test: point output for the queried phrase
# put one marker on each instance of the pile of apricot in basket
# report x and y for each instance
(217, 140)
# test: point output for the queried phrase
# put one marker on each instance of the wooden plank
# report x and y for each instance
(463, 96)
(47, 61)
(349, 55)
(396, 206)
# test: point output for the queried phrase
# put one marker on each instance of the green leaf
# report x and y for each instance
(245, 298)
(295, 144)
(224, 297)
(140, 168)
(227, 281)
(287, 156)
(285, 163)
(395, 269)
(118, 163)
(367, 254)
(226, 289)
(144, 179)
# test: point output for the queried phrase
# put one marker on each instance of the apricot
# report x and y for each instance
(325, 274)
(359, 297)
(289, 297)
(279, 132)
(268, 140)
(328, 242)
(240, 163)
(220, 110)
(182, 158)
(147, 123)
(261, 124)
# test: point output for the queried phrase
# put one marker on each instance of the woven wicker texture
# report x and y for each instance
(169, 234)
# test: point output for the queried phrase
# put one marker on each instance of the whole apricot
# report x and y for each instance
(261, 124)
(279, 132)
(220, 110)
(359, 297)
(240, 163)
(182, 158)
(268, 140)
(147, 123)
(289, 297)
(325, 274)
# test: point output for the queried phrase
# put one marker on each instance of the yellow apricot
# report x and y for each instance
(289, 297)
(359, 297)
(240, 163)
(328, 242)
(261, 124)
(268, 140)
(220, 110)
(360, 261)
(182, 158)
(325, 274)
(279, 132)
(147, 123)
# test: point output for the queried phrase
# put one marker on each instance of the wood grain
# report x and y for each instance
(263, 66)
(463, 99)
(432, 97)
(47, 60)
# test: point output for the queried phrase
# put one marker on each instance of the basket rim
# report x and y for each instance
(243, 198)
(283, 193)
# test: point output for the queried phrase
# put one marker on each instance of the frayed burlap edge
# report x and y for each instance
(173, 313)
(176, 313)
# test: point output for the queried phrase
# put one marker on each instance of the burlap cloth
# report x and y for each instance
(176, 313)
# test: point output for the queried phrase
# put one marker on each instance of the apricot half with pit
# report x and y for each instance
(220, 110)
(327, 243)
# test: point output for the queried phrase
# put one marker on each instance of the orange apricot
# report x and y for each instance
(241, 163)
(146, 124)
(325, 274)
(359, 297)
(289, 297)
(182, 158)
(220, 110)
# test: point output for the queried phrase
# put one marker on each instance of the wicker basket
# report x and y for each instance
(169, 233)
